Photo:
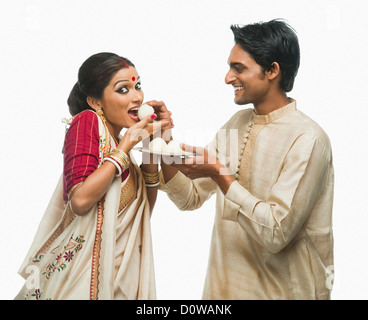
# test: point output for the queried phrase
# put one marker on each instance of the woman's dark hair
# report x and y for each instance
(93, 77)
(268, 42)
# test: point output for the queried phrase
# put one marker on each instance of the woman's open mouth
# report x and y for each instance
(133, 113)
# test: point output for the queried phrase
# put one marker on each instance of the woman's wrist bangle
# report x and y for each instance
(151, 179)
(116, 164)
(120, 159)
(152, 185)
(120, 156)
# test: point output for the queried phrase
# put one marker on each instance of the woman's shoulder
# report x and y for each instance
(84, 123)
(86, 118)
(85, 115)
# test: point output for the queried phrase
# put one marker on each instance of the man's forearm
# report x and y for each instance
(223, 179)
(168, 171)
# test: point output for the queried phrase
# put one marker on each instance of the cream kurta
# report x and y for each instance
(272, 236)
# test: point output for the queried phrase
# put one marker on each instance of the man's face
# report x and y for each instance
(247, 77)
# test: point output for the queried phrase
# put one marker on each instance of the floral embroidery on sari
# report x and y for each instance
(36, 294)
(102, 148)
(66, 220)
(66, 256)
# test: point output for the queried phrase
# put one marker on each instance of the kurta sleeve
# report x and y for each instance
(81, 149)
(188, 194)
(273, 222)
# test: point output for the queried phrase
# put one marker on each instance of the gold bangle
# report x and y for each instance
(122, 163)
(121, 157)
(151, 178)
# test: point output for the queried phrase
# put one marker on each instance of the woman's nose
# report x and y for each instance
(138, 96)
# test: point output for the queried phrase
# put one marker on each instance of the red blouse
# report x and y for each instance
(81, 149)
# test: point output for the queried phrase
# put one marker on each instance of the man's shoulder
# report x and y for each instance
(239, 117)
(308, 127)
(308, 123)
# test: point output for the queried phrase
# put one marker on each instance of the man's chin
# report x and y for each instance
(241, 101)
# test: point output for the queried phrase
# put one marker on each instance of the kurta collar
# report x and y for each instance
(274, 115)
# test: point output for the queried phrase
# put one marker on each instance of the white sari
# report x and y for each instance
(105, 254)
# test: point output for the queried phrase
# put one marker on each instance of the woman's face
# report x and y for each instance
(121, 98)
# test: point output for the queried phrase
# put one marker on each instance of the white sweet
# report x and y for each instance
(173, 147)
(144, 111)
(157, 145)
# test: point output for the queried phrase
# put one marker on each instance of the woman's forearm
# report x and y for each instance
(151, 168)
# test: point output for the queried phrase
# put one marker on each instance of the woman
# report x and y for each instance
(94, 241)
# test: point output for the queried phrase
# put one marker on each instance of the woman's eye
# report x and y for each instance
(123, 90)
(138, 86)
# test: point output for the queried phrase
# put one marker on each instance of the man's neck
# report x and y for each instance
(273, 103)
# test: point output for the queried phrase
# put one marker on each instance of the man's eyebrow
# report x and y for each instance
(236, 64)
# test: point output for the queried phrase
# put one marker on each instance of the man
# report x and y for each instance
(272, 235)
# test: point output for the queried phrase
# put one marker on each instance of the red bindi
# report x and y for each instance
(133, 79)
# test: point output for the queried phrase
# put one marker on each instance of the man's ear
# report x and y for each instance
(94, 103)
(274, 71)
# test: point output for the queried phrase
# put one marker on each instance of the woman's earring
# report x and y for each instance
(99, 112)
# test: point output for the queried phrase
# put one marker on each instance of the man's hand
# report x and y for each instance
(204, 165)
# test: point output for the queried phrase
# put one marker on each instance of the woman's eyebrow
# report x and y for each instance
(123, 80)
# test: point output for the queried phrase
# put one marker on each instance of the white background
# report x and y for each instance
(180, 49)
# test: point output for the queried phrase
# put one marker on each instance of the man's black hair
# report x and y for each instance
(268, 42)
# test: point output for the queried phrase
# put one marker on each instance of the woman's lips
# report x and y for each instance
(135, 118)
(133, 113)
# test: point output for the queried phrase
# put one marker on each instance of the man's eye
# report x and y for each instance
(239, 69)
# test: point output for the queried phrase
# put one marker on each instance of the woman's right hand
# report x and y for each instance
(163, 114)
(142, 130)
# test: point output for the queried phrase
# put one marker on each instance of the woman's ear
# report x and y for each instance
(94, 103)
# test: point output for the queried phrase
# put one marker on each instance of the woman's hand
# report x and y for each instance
(163, 114)
(140, 131)
(97, 183)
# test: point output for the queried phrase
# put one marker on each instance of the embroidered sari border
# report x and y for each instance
(96, 252)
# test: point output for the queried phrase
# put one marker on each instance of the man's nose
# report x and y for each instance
(229, 78)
